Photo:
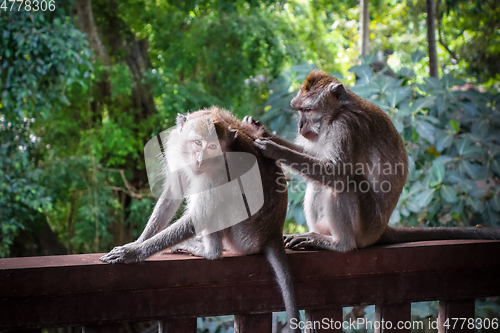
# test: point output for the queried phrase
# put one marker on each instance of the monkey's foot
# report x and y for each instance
(308, 241)
(178, 251)
(123, 254)
(193, 246)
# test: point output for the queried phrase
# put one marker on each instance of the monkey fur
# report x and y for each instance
(261, 233)
(345, 144)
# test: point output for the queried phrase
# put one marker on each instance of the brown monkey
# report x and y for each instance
(356, 166)
(194, 144)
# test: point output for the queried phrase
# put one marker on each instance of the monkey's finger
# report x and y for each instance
(306, 245)
(302, 245)
(257, 143)
(287, 239)
(297, 241)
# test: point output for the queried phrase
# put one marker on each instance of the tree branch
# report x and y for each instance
(440, 38)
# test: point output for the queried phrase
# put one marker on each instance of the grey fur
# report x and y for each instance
(261, 233)
(345, 131)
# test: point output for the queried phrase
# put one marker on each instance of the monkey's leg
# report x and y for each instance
(133, 252)
(208, 246)
(313, 209)
(187, 245)
(342, 216)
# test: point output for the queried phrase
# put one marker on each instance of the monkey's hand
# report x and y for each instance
(258, 125)
(267, 147)
(308, 241)
(127, 253)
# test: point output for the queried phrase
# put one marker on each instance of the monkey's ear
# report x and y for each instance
(337, 90)
(180, 120)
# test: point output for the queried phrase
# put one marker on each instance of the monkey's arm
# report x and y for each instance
(162, 214)
(310, 167)
(265, 133)
(134, 252)
(165, 208)
(285, 143)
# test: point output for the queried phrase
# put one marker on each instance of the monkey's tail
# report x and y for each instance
(405, 235)
(276, 255)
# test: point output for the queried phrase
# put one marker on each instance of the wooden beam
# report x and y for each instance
(80, 290)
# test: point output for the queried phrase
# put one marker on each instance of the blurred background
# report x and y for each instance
(85, 84)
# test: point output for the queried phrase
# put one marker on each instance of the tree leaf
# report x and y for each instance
(413, 207)
(425, 130)
(495, 166)
(434, 83)
(462, 145)
(494, 203)
(448, 193)
(417, 56)
(471, 169)
(407, 72)
(458, 208)
(444, 142)
(455, 125)
(422, 103)
(438, 171)
(425, 197)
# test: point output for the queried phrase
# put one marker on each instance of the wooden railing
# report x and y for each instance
(175, 289)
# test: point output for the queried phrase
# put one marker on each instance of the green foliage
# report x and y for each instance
(221, 324)
(41, 55)
(470, 31)
(451, 137)
(225, 53)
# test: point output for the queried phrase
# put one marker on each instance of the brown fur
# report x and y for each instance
(338, 129)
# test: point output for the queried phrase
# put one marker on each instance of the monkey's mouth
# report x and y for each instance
(311, 136)
(198, 168)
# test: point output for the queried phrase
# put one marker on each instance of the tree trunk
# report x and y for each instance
(113, 45)
(364, 33)
(87, 25)
(431, 38)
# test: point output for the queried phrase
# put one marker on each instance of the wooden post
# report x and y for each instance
(252, 323)
(326, 320)
(185, 325)
(389, 316)
(454, 316)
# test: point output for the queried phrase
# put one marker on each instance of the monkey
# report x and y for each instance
(193, 145)
(355, 164)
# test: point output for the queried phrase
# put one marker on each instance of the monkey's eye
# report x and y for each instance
(212, 146)
(307, 110)
(197, 142)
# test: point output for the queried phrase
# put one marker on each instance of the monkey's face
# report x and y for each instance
(309, 123)
(202, 152)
